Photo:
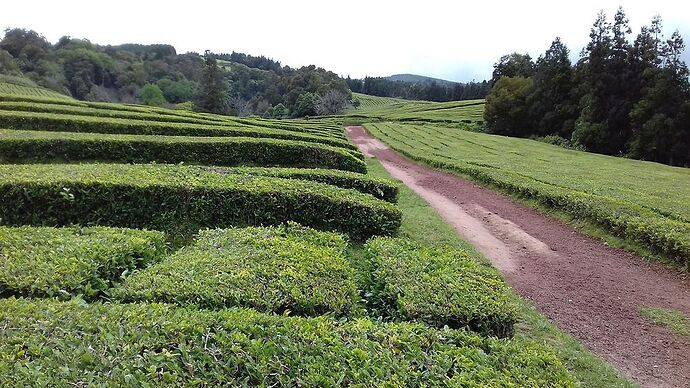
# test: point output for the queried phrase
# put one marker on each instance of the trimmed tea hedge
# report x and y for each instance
(103, 109)
(182, 199)
(37, 146)
(85, 110)
(51, 343)
(72, 123)
(139, 112)
(288, 269)
(69, 261)
(379, 188)
(625, 219)
(437, 286)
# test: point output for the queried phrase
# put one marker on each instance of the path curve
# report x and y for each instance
(588, 289)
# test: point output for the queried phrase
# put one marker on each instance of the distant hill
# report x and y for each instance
(420, 79)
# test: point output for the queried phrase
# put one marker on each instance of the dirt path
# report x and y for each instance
(588, 289)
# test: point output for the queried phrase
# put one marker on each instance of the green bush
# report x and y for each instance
(379, 188)
(182, 114)
(659, 231)
(51, 343)
(75, 123)
(69, 261)
(152, 95)
(182, 199)
(37, 146)
(85, 110)
(437, 286)
(287, 269)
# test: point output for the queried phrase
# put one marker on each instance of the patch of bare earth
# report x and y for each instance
(587, 288)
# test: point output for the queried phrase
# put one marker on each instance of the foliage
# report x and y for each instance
(182, 199)
(36, 146)
(285, 270)
(622, 196)
(430, 91)
(112, 344)
(152, 95)
(177, 91)
(212, 95)
(29, 92)
(72, 123)
(467, 114)
(438, 286)
(331, 103)
(61, 262)
(306, 105)
(379, 188)
(506, 111)
(425, 226)
(622, 98)
(118, 73)
(513, 65)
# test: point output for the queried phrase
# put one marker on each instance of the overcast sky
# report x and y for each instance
(446, 39)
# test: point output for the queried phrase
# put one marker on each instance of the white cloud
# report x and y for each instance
(446, 39)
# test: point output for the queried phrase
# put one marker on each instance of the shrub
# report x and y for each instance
(69, 261)
(131, 112)
(437, 286)
(73, 123)
(379, 188)
(37, 146)
(287, 269)
(50, 343)
(182, 199)
(654, 228)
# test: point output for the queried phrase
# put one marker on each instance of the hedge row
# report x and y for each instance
(625, 219)
(336, 131)
(182, 198)
(72, 123)
(37, 146)
(22, 106)
(437, 286)
(68, 261)
(164, 115)
(379, 188)
(285, 270)
(51, 343)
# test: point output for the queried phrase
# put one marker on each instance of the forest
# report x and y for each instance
(623, 97)
(429, 91)
(157, 75)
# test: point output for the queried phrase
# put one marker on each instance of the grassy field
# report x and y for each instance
(644, 202)
(168, 274)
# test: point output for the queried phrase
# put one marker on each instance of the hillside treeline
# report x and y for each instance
(157, 74)
(429, 91)
(623, 97)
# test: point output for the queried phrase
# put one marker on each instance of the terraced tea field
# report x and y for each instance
(144, 246)
(467, 114)
(645, 202)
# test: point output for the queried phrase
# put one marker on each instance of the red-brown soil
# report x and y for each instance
(587, 288)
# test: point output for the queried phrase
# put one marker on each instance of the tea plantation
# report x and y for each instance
(142, 246)
(644, 202)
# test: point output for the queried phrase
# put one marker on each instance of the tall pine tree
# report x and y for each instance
(213, 89)
(552, 103)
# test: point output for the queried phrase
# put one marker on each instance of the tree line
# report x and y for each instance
(429, 91)
(622, 97)
(156, 74)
